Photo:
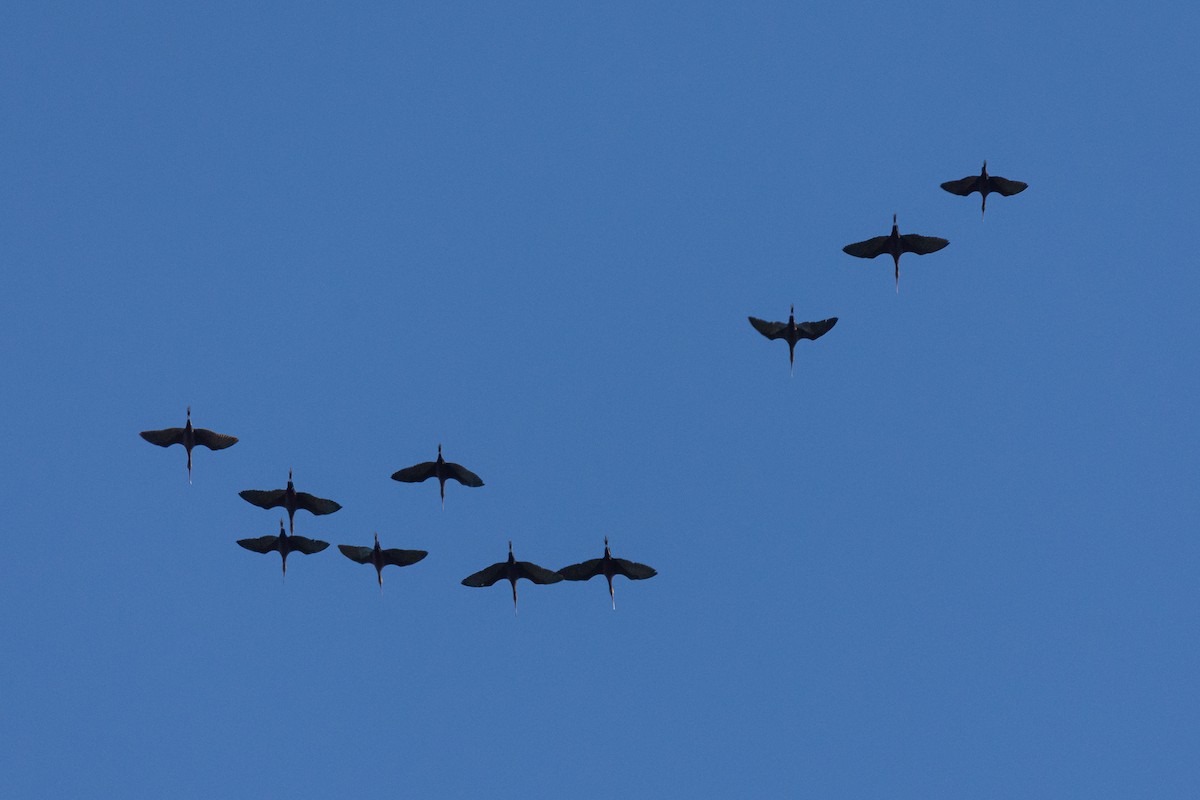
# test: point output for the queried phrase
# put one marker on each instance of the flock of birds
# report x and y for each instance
(894, 245)
(511, 570)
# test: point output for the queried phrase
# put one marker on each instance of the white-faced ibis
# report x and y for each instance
(380, 558)
(284, 544)
(984, 184)
(290, 499)
(894, 244)
(440, 469)
(792, 331)
(607, 566)
(189, 437)
(512, 570)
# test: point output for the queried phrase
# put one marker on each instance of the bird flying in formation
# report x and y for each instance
(607, 566)
(984, 184)
(440, 469)
(290, 499)
(792, 331)
(894, 245)
(512, 570)
(189, 437)
(380, 558)
(284, 544)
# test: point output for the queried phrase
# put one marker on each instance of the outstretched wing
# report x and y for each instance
(164, 438)
(962, 187)
(416, 473)
(263, 544)
(532, 572)
(1006, 187)
(213, 441)
(815, 330)
(582, 571)
(633, 570)
(360, 554)
(402, 558)
(462, 474)
(486, 577)
(912, 243)
(268, 498)
(771, 330)
(317, 505)
(871, 248)
(302, 544)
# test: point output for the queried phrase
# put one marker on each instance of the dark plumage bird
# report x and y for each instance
(984, 184)
(290, 499)
(608, 567)
(440, 469)
(894, 244)
(380, 558)
(189, 437)
(284, 544)
(512, 570)
(792, 331)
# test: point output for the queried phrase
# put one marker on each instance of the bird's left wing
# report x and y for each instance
(164, 438)
(360, 554)
(262, 544)
(815, 330)
(633, 570)
(486, 577)
(314, 504)
(416, 473)
(1006, 187)
(582, 571)
(263, 498)
(867, 249)
(962, 187)
(771, 330)
(913, 243)
(307, 546)
(462, 474)
(532, 572)
(213, 441)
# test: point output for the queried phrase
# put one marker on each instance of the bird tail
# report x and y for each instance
(611, 596)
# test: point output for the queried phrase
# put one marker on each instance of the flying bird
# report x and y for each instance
(792, 332)
(894, 244)
(284, 544)
(512, 570)
(440, 469)
(189, 437)
(985, 184)
(290, 499)
(608, 567)
(380, 558)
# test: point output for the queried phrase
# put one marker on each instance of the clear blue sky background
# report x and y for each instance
(954, 556)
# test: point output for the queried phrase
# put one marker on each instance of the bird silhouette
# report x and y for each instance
(894, 244)
(189, 437)
(380, 558)
(792, 331)
(607, 566)
(512, 570)
(440, 469)
(284, 544)
(290, 499)
(984, 184)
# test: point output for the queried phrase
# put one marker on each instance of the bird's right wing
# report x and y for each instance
(869, 249)
(316, 505)
(815, 330)
(213, 441)
(307, 546)
(532, 572)
(164, 438)
(633, 570)
(486, 577)
(263, 544)
(360, 554)
(582, 571)
(416, 473)
(771, 330)
(1006, 187)
(914, 243)
(402, 558)
(263, 498)
(962, 187)
(462, 475)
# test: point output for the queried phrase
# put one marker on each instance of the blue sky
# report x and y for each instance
(953, 556)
